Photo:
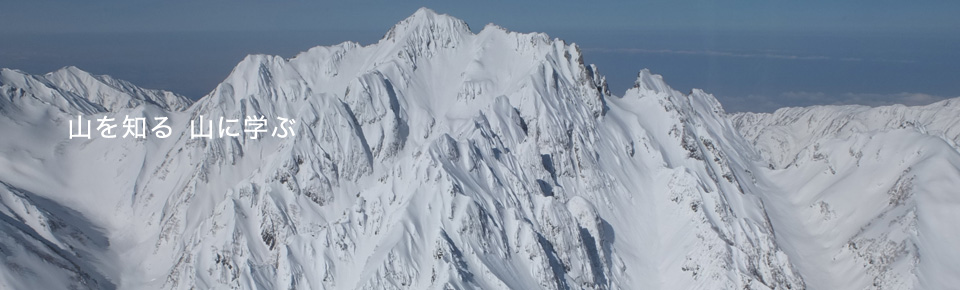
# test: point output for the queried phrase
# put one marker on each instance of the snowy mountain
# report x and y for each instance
(442, 158)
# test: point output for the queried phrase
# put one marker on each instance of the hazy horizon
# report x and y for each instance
(748, 68)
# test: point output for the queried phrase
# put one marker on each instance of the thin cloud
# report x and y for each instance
(909, 99)
(770, 103)
(766, 55)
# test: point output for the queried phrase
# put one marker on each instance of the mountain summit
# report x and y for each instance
(441, 158)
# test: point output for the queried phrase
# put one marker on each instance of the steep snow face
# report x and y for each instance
(435, 158)
(864, 197)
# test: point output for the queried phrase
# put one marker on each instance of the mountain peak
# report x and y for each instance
(72, 70)
(425, 20)
(647, 81)
(424, 12)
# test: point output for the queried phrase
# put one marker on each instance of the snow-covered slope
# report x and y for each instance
(864, 197)
(435, 158)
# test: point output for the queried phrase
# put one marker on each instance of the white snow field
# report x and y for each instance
(439, 158)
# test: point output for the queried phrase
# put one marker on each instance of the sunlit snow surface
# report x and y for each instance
(439, 158)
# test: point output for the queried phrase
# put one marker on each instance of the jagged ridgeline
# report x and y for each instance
(442, 158)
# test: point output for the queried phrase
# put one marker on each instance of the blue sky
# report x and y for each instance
(245, 15)
(753, 55)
